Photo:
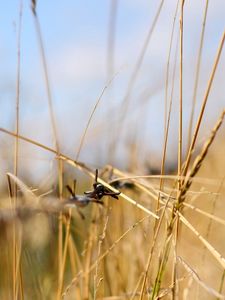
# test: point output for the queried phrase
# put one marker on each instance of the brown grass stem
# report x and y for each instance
(152, 247)
(209, 226)
(16, 242)
(199, 159)
(180, 147)
(55, 136)
(46, 74)
(167, 119)
(180, 139)
(100, 241)
(196, 277)
(220, 259)
(91, 117)
(93, 266)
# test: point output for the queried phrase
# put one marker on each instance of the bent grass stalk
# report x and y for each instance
(194, 275)
(81, 166)
(197, 73)
(176, 213)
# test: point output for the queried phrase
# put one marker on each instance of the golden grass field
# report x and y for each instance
(162, 239)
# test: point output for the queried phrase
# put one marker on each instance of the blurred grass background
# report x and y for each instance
(96, 82)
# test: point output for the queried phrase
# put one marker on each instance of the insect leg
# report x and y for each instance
(70, 190)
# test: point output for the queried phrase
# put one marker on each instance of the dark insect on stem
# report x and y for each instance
(95, 196)
(100, 190)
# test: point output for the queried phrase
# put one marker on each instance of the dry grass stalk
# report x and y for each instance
(222, 283)
(156, 234)
(210, 248)
(198, 161)
(91, 117)
(180, 146)
(210, 82)
(195, 276)
(93, 266)
(56, 142)
(180, 139)
(46, 74)
(101, 239)
(175, 220)
(33, 6)
(167, 119)
(208, 215)
(16, 242)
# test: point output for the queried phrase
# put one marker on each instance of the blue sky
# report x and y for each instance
(75, 35)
